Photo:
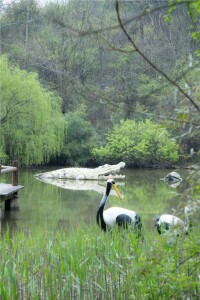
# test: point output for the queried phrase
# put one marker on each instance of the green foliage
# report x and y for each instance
(138, 144)
(18, 10)
(32, 124)
(67, 45)
(78, 142)
(193, 9)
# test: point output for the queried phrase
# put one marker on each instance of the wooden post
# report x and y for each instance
(15, 173)
(13, 203)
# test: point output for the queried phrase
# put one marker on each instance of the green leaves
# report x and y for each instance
(32, 123)
(79, 139)
(139, 144)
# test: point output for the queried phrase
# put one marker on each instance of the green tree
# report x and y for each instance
(80, 51)
(19, 24)
(139, 144)
(32, 125)
(79, 140)
(193, 10)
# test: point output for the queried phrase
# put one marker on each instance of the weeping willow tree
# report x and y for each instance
(32, 125)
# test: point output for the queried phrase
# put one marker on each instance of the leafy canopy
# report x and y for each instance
(139, 144)
(32, 125)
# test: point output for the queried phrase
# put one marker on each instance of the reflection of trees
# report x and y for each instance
(49, 206)
(150, 196)
(79, 185)
(9, 220)
(52, 207)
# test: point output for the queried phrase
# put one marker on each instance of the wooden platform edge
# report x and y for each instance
(9, 189)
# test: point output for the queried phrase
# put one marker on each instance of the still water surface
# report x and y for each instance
(71, 204)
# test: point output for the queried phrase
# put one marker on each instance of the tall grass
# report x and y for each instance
(86, 263)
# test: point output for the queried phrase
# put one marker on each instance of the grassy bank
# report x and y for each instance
(89, 264)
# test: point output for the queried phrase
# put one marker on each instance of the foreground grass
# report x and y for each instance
(89, 264)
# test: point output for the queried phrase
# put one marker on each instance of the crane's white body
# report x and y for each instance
(112, 213)
(119, 216)
(171, 220)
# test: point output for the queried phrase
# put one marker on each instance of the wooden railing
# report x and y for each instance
(9, 191)
(14, 169)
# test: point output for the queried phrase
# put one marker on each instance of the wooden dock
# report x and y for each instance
(8, 192)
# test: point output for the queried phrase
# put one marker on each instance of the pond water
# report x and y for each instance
(71, 204)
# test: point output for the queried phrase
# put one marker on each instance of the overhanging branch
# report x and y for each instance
(136, 48)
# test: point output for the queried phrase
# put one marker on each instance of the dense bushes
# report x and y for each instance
(138, 144)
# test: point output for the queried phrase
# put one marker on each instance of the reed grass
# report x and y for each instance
(85, 263)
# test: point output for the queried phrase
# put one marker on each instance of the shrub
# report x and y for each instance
(138, 144)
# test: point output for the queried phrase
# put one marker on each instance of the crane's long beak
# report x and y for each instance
(117, 191)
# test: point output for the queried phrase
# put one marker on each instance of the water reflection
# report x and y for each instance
(53, 207)
(8, 219)
(174, 184)
(78, 185)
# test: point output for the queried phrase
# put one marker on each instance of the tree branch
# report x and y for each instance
(181, 76)
(112, 103)
(146, 12)
(149, 61)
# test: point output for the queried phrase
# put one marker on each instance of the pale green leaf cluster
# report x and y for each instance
(32, 125)
(140, 144)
